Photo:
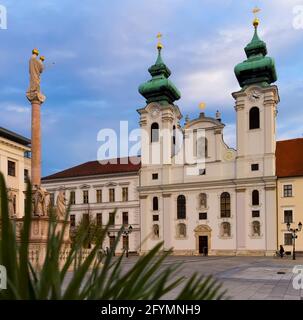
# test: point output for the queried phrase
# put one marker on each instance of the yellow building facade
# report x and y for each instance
(15, 165)
(289, 157)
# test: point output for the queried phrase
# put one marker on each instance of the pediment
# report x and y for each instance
(202, 228)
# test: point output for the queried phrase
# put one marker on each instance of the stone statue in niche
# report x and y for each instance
(156, 231)
(11, 204)
(256, 228)
(40, 201)
(60, 205)
(203, 200)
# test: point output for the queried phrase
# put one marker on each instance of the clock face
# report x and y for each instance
(254, 95)
(228, 156)
(155, 111)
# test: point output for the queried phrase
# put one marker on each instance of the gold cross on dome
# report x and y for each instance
(159, 36)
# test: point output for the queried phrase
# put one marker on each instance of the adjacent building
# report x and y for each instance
(103, 193)
(290, 191)
(15, 165)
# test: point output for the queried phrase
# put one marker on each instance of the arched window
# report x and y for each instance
(202, 148)
(174, 135)
(181, 207)
(255, 198)
(173, 145)
(256, 228)
(202, 200)
(225, 229)
(154, 134)
(254, 118)
(155, 204)
(156, 231)
(181, 230)
(225, 205)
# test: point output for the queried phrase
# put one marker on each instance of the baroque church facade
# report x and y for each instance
(226, 207)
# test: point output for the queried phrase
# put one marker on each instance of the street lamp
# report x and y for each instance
(294, 237)
(126, 232)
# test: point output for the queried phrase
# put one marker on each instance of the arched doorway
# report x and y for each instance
(203, 239)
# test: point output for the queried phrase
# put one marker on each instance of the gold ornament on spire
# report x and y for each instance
(256, 21)
(202, 105)
(159, 44)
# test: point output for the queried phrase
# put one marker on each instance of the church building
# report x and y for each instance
(225, 205)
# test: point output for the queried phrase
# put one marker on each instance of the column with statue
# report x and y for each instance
(40, 197)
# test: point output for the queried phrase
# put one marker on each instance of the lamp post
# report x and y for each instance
(126, 232)
(294, 237)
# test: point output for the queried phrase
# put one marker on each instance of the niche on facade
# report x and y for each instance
(155, 233)
(256, 229)
(225, 230)
(181, 230)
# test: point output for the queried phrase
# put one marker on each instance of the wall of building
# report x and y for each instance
(294, 203)
(15, 152)
(104, 183)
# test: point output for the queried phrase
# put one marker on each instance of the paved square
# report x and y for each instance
(245, 278)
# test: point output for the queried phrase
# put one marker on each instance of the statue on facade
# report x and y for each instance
(35, 69)
(11, 204)
(202, 200)
(60, 205)
(40, 202)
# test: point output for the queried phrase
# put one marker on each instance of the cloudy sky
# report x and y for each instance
(102, 50)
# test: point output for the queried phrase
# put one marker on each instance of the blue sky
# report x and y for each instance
(102, 50)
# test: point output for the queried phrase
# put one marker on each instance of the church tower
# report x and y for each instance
(159, 122)
(256, 109)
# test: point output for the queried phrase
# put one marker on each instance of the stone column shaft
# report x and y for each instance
(36, 143)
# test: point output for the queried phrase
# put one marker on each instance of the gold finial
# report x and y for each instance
(159, 45)
(42, 58)
(35, 51)
(256, 21)
(202, 105)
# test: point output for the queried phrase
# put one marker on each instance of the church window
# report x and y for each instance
(225, 205)
(155, 204)
(154, 132)
(155, 176)
(202, 215)
(255, 198)
(181, 207)
(254, 118)
(255, 167)
(255, 213)
(202, 148)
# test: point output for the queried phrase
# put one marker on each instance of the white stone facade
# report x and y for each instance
(243, 227)
(104, 206)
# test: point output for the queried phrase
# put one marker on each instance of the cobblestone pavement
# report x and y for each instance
(244, 278)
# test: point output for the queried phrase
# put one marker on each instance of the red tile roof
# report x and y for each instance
(289, 158)
(92, 168)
